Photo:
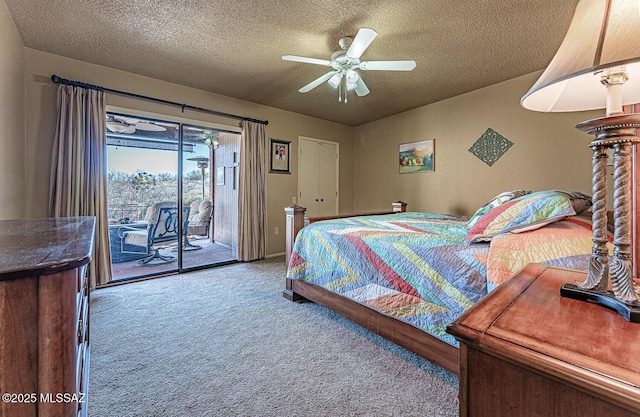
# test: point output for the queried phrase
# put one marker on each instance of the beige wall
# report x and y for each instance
(41, 115)
(12, 119)
(547, 152)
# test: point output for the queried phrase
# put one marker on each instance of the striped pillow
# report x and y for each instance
(529, 212)
(495, 202)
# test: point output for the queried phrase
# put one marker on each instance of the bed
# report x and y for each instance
(407, 275)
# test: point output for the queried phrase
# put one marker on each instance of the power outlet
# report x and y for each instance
(276, 231)
(294, 200)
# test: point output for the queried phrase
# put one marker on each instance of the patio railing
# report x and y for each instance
(133, 212)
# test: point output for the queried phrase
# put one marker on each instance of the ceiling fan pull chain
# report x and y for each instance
(340, 93)
(345, 90)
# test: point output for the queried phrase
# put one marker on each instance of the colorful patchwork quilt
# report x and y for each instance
(566, 243)
(416, 267)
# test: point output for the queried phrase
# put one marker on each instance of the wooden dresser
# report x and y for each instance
(44, 316)
(526, 351)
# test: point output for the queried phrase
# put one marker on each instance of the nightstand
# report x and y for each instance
(527, 351)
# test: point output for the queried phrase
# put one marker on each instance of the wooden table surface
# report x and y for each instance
(526, 322)
(44, 246)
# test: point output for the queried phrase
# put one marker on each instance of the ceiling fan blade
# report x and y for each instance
(313, 84)
(387, 65)
(306, 60)
(150, 127)
(117, 126)
(361, 88)
(361, 42)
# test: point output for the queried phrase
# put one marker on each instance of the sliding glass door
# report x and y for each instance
(209, 190)
(161, 201)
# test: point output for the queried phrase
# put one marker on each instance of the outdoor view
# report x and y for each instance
(144, 203)
(138, 178)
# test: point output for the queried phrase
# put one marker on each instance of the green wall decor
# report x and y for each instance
(490, 146)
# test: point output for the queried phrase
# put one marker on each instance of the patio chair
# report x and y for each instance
(200, 217)
(161, 231)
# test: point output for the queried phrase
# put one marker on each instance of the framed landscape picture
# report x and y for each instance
(417, 156)
(279, 156)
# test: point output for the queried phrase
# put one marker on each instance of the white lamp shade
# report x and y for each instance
(352, 77)
(335, 80)
(603, 34)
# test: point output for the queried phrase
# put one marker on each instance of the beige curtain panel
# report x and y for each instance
(79, 169)
(252, 208)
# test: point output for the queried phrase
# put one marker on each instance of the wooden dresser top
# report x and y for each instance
(527, 321)
(44, 246)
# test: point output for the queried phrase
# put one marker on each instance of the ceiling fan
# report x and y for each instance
(128, 125)
(346, 61)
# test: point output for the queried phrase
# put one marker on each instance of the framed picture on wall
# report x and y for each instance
(417, 156)
(279, 156)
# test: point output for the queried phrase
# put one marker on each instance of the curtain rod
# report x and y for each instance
(58, 80)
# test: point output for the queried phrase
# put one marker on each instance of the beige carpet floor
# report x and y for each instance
(224, 342)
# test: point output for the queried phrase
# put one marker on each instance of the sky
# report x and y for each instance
(152, 161)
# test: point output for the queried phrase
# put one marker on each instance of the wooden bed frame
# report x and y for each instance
(401, 333)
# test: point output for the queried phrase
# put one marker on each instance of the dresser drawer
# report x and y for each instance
(82, 357)
(82, 315)
(82, 286)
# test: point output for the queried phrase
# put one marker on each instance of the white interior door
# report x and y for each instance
(318, 178)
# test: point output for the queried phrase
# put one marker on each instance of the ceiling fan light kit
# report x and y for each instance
(345, 63)
(334, 81)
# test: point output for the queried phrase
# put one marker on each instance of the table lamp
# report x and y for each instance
(598, 66)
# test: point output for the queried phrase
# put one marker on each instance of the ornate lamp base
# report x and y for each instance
(615, 132)
(605, 298)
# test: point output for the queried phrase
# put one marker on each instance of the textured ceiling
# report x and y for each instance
(235, 47)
